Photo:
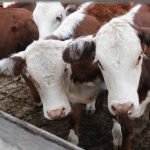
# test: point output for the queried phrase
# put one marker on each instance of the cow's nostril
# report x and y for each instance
(130, 111)
(63, 112)
(113, 107)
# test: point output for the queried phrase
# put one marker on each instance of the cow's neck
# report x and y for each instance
(81, 92)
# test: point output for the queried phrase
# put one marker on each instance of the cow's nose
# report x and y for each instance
(57, 113)
(123, 109)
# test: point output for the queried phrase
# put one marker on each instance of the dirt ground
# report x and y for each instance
(95, 130)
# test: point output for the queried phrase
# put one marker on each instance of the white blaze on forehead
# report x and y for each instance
(117, 49)
(45, 16)
(46, 67)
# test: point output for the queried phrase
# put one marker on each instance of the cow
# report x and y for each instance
(49, 15)
(55, 82)
(17, 29)
(119, 54)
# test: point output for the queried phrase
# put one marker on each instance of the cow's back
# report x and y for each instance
(17, 30)
(27, 5)
(104, 12)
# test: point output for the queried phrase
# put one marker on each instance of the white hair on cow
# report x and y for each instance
(84, 6)
(7, 64)
(73, 138)
(117, 133)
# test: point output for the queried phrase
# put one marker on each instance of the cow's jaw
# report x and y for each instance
(118, 49)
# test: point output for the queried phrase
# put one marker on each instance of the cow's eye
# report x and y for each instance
(59, 18)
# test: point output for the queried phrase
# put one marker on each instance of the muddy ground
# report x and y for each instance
(95, 130)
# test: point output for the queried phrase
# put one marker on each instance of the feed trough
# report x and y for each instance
(16, 134)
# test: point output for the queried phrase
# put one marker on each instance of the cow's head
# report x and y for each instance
(119, 55)
(42, 62)
(48, 16)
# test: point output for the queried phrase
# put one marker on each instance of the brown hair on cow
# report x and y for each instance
(18, 66)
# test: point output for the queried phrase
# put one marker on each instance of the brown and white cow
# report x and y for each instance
(120, 56)
(49, 15)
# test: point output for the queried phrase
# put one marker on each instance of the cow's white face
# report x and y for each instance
(48, 16)
(118, 50)
(46, 68)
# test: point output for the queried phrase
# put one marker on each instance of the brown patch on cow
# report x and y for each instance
(19, 65)
(142, 25)
(88, 51)
(144, 84)
(141, 18)
(85, 71)
(89, 25)
(18, 30)
(104, 12)
(27, 5)
(75, 118)
(127, 131)
(1, 4)
(34, 93)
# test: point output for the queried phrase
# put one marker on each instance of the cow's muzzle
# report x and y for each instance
(57, 113)
(123, 109)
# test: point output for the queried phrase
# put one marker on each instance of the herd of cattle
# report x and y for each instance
(69, 53)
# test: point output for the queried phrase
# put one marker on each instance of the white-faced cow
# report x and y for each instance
(49, 15)
(119, 54)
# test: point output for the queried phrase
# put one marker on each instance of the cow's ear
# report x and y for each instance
(144, 34)
(79, 50)
(12, 66)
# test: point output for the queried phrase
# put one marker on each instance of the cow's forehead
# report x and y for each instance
(117, 40)
(48, 8)
(44, 60)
